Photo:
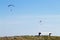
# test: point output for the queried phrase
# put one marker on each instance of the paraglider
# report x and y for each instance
(40, 21)
(10, 6)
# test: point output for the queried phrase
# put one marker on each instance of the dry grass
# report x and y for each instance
(31, 38)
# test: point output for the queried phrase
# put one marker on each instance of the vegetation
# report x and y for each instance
(31, 38)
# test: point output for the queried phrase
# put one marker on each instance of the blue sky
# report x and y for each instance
(26, 15)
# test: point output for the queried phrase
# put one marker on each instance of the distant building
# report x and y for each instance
(44, 34)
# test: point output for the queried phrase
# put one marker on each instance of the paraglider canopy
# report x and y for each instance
(10, 5)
